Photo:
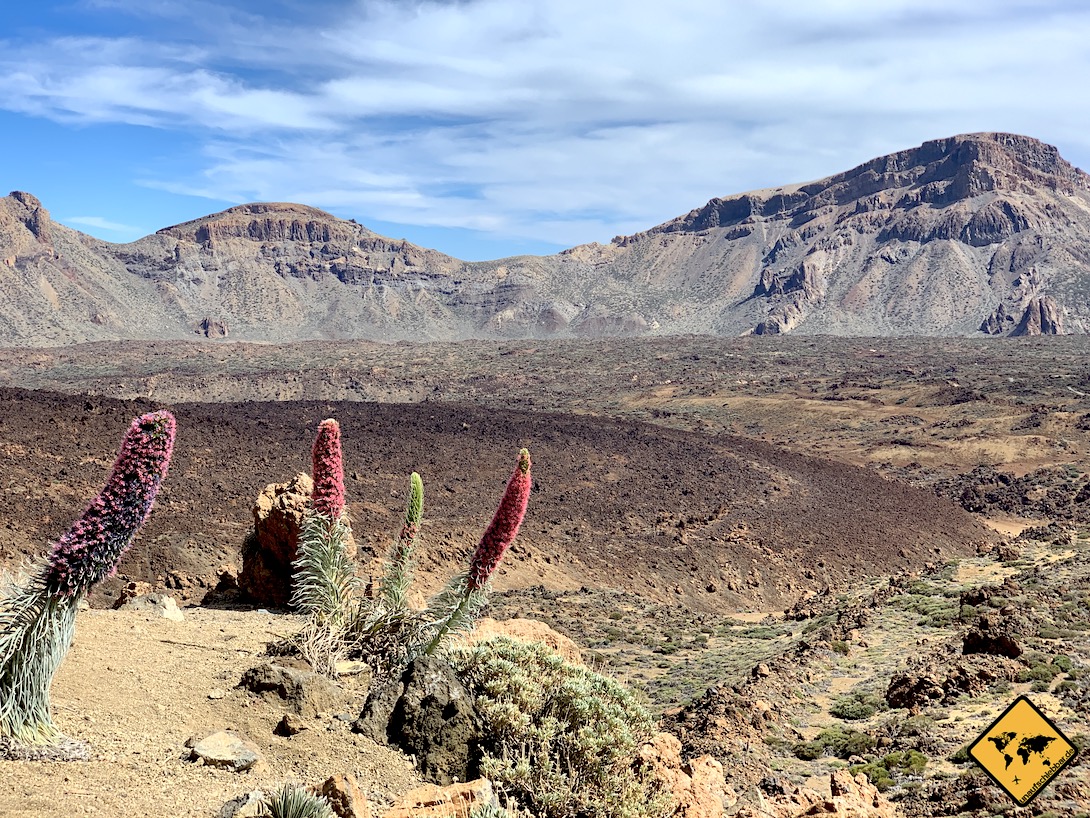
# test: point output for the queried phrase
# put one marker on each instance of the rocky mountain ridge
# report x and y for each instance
(980, 233)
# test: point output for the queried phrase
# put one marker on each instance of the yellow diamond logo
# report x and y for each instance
(1022, 751)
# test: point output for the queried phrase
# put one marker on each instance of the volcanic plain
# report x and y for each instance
(773, 526)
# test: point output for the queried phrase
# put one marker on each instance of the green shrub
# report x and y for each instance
(857, 706)
(836, 741)
(961, 756)
(561, 739)
(884, 772)
(1064, 663)
(1037, 673)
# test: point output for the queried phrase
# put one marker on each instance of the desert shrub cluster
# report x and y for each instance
(561, 737)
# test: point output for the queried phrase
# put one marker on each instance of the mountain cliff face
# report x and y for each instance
(982, 233)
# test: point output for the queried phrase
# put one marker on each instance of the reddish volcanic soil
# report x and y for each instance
(716, 522)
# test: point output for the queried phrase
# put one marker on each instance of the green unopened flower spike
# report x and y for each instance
(399, 566)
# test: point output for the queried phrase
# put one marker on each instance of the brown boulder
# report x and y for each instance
(848, 798)
(453, 801)
(992, 636)
(345, 797)
(698, 787)
(270, 549)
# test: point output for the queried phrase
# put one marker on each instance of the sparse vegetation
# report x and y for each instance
(887, 770)
(835, 741)
(562, 739)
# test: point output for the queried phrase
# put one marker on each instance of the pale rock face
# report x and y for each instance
(698, 787)
(925, 241)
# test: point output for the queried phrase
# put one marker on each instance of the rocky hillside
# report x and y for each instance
(975, 234)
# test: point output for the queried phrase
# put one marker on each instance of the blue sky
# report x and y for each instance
(486, 128)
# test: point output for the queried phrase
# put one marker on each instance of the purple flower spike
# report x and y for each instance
(505, 524)
(92, 547)
(328, 471)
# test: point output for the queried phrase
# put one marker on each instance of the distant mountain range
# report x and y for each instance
(980, 233)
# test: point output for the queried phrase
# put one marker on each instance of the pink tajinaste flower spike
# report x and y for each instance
(504, 527)
(92, 547)
(328, 471)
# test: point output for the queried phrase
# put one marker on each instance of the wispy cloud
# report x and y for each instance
(553, 119)
(100, 223)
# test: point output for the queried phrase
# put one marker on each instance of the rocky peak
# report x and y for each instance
(1042, 316)
(34, 217)
(939, 172)
(267, 222)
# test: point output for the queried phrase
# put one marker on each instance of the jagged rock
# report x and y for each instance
(428, 713)
(698, 787)
(990, 636)
(849, 798)
(1042, 316)
(226, 751)
(997, 322)
(291, 725)
(452, 801)
(130, 592)
(940, 683)
(269, 551)
(307, 693)
(345, 797)
(250, 805)
(212, 328)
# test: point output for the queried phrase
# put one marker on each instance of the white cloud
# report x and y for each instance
(124, 231)
(555, 119)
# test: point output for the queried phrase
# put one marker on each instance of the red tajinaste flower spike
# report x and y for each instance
(92, 547)
(504, 527)
(328, 471)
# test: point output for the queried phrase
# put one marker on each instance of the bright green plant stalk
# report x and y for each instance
(398, 575)
(38, 610)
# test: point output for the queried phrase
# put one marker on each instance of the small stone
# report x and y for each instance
(163, 605)
(226, 751)
(291, 725)
(250, 805)
(217, 693)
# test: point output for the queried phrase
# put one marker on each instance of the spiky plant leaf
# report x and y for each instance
(292, 801)
(452, 611)
(36, 630)
(398, 575)
(324, 582)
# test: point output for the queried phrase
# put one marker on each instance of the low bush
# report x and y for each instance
(857, 706)
(885, 772)
(561, 739)
(835, 741)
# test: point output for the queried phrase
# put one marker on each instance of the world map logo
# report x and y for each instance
(1022, 751)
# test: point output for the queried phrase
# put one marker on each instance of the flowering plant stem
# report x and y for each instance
(38, 610)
